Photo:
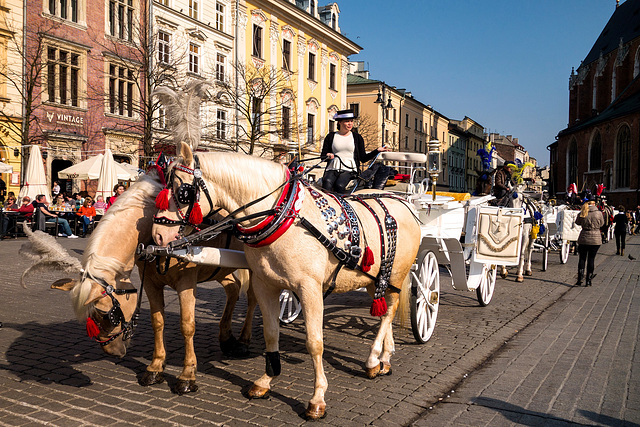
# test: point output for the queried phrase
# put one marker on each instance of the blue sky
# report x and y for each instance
(505, 64)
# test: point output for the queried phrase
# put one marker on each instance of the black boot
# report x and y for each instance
(589, 278)
(580, 274)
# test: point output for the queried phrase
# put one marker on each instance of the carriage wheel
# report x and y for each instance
(425, 297)
(289, 306)
(564, 251)
(484, 291)
(545, 251)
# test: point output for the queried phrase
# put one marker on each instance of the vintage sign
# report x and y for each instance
(65, 119)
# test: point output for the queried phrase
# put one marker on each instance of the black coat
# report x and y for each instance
(359, 154)
(620, 221)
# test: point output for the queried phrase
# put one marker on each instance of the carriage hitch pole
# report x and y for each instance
(197, 254)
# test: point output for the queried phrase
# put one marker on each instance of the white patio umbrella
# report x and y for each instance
(5, 168)
(134, 171)
(90, 169)
(108, 175)
(35, 180)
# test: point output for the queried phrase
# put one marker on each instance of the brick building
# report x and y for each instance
(601, 143)
(87, 93)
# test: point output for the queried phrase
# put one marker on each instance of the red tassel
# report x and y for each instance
(195, 217)
(162, 201)
(378, 307)
(367, 259)
(92, 329)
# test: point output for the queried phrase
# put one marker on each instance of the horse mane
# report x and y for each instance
(141, 195)
(232, 168)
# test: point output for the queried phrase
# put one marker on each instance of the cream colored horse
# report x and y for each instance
(110, 256)
(297, 261)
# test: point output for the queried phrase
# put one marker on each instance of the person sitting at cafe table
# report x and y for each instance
(99, 203)
(24, 212)
(87, 212)
(41, 203)
(117, 191)
(10, 204)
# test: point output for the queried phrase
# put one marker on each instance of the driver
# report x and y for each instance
(345, 150)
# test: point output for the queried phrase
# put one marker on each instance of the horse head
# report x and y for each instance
(110, 311)
(483, 184)
(180, 205)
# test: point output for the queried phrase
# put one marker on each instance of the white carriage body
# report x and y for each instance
(566, 223)
(499, 235)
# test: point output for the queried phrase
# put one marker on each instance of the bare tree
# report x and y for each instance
(30, 46)
(263, 100)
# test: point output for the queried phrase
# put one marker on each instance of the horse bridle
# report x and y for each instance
(115, 316)
(187, 194)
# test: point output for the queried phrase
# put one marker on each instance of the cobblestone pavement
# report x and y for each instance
(51, 373)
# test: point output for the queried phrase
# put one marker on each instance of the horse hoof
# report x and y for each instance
(528, 273)
(185, 386)
(315, 411)
(373, 372)
(503, 275)
(385, 369)
(241, 350)
(520, 279)
(257, 392)
(228, 346)
(150, 378)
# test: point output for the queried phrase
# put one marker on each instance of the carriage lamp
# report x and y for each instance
(434, 162)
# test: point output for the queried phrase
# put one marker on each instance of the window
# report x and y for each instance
(194, 58)
(332, 76)
(65, 9)
(595, 154)
(221, 124)
(356, 109)
(257, 41)
(193, 9)
(164, 42)
(286, 55)
(394, 115)
(255, 114)
(121, 19)
(310, 128)
(63, 73)
(312, 66)
(219, 16)
(416, 124)
(162, 117)
(286, 123)
(220, 61)
(164, 2)
(406, 120)
(623, 157)
(121, 84)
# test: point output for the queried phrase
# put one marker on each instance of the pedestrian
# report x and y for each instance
(345, 150)
(589, 240)
(637, 230)
(630, 222)
(620, 229)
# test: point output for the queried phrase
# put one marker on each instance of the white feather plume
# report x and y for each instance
(183, 111)
(47, 254)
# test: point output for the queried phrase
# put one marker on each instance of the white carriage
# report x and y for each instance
(567, 231)
(458, 232)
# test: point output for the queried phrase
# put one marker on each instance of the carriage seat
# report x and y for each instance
(398, 156)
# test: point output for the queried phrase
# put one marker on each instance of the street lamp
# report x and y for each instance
(385, 102)
(434, 163)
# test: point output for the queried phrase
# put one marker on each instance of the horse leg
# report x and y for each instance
(245, 333)
(527, 269)
(187, 297)
(226, 338)
(375, 364)
(269, 306)
(503, 272)
(154, 372)
(523, 252)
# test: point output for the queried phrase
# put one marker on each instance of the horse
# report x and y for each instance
(105, 297)
(296, 256)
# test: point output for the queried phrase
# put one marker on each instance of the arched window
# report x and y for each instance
(594, 94)
(623, 157)
(614, 79)
(636, 63)
(595, 153)
(572, 163)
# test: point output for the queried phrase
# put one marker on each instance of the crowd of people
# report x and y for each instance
(65, 207)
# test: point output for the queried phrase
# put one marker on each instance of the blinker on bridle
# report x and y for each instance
(114, 316)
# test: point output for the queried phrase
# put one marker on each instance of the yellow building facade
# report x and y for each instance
(11, 12)
(303, 41)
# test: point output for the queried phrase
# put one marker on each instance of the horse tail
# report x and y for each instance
(403, 311)
(243, 276)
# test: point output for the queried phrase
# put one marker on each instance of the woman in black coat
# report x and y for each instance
(348, 146)
(620, 229)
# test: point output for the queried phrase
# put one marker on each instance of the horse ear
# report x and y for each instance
(185, 152)
(64, 284)
(95, 294)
